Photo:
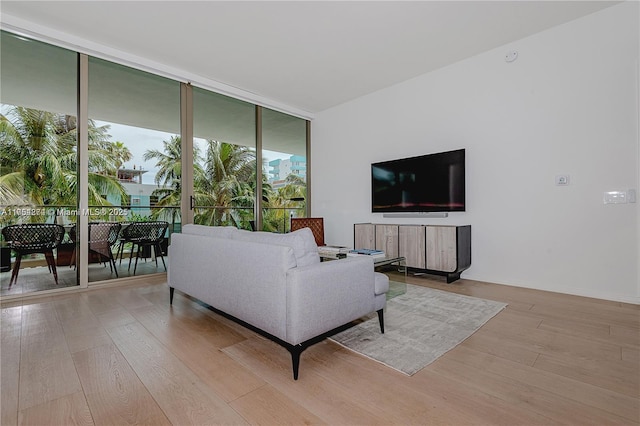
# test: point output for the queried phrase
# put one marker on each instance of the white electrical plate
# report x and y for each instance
(615, 197)
(562, 180)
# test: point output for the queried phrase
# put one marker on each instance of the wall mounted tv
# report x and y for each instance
(427, 183)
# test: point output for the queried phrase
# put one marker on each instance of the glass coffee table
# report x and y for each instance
(385, 261)
(377, 261)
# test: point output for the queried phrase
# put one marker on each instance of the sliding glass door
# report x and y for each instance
(224, 160)
(284, 154)
(134, 168)
(230, 179)
(82, 199)
(38, 165)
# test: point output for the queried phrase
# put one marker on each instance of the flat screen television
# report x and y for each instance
(427, 183)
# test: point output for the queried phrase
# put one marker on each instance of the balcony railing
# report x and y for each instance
(274, 219)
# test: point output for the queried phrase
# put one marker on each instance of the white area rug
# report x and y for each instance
(420, 326)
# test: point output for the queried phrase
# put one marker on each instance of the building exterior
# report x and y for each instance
(280, 169)
(140, 194)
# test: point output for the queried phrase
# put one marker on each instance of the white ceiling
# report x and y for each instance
(308, 56)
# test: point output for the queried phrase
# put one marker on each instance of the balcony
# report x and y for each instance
(34, 274)
(109, 255)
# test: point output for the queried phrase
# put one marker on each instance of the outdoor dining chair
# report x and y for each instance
(31, 238)
(145, 234)
(122, 241)
(102, 236)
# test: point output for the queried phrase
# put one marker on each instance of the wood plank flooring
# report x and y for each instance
(122, 355)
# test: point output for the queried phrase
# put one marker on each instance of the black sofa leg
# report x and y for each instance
(381, 320)
(295, 359)
(171, 290)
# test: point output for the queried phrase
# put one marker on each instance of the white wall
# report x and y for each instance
(567, 105)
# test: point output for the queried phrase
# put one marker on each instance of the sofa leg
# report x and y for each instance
(381, 320)
(295, 359)
(171, 290)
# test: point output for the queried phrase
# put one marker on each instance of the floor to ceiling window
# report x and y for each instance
(87, 204)
(135, 149)
(224, 156)
(38, 163)
(284, 154)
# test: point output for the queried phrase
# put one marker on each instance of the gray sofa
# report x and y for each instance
(275, 283)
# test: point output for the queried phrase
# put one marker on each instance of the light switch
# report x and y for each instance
(615, 197)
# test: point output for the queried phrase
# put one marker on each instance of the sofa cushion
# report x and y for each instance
(301, 241)
(310, 254)
(209, 231)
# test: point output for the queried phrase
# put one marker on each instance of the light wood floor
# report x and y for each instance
(122, 356)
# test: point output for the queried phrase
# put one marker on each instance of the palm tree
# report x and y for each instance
(169, 177)
(120, 153)
(283, 201)
(169, 161)
(295, 189)
(224, 185)
(39, 160)
(229, 171)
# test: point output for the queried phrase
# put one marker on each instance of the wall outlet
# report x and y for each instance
(615, 197)
(562, 180)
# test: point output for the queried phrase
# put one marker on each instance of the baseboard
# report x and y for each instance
(613, 297)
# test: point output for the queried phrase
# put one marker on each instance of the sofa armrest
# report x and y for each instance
(325, 296)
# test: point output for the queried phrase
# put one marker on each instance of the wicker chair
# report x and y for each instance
(145, 234)
(102, 236)
(122, 241)
(33, 238)
(316, 224)
(73, 235)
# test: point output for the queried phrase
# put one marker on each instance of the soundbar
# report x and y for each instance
(413, 215)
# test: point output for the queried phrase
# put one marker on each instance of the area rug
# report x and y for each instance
(420, 326)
